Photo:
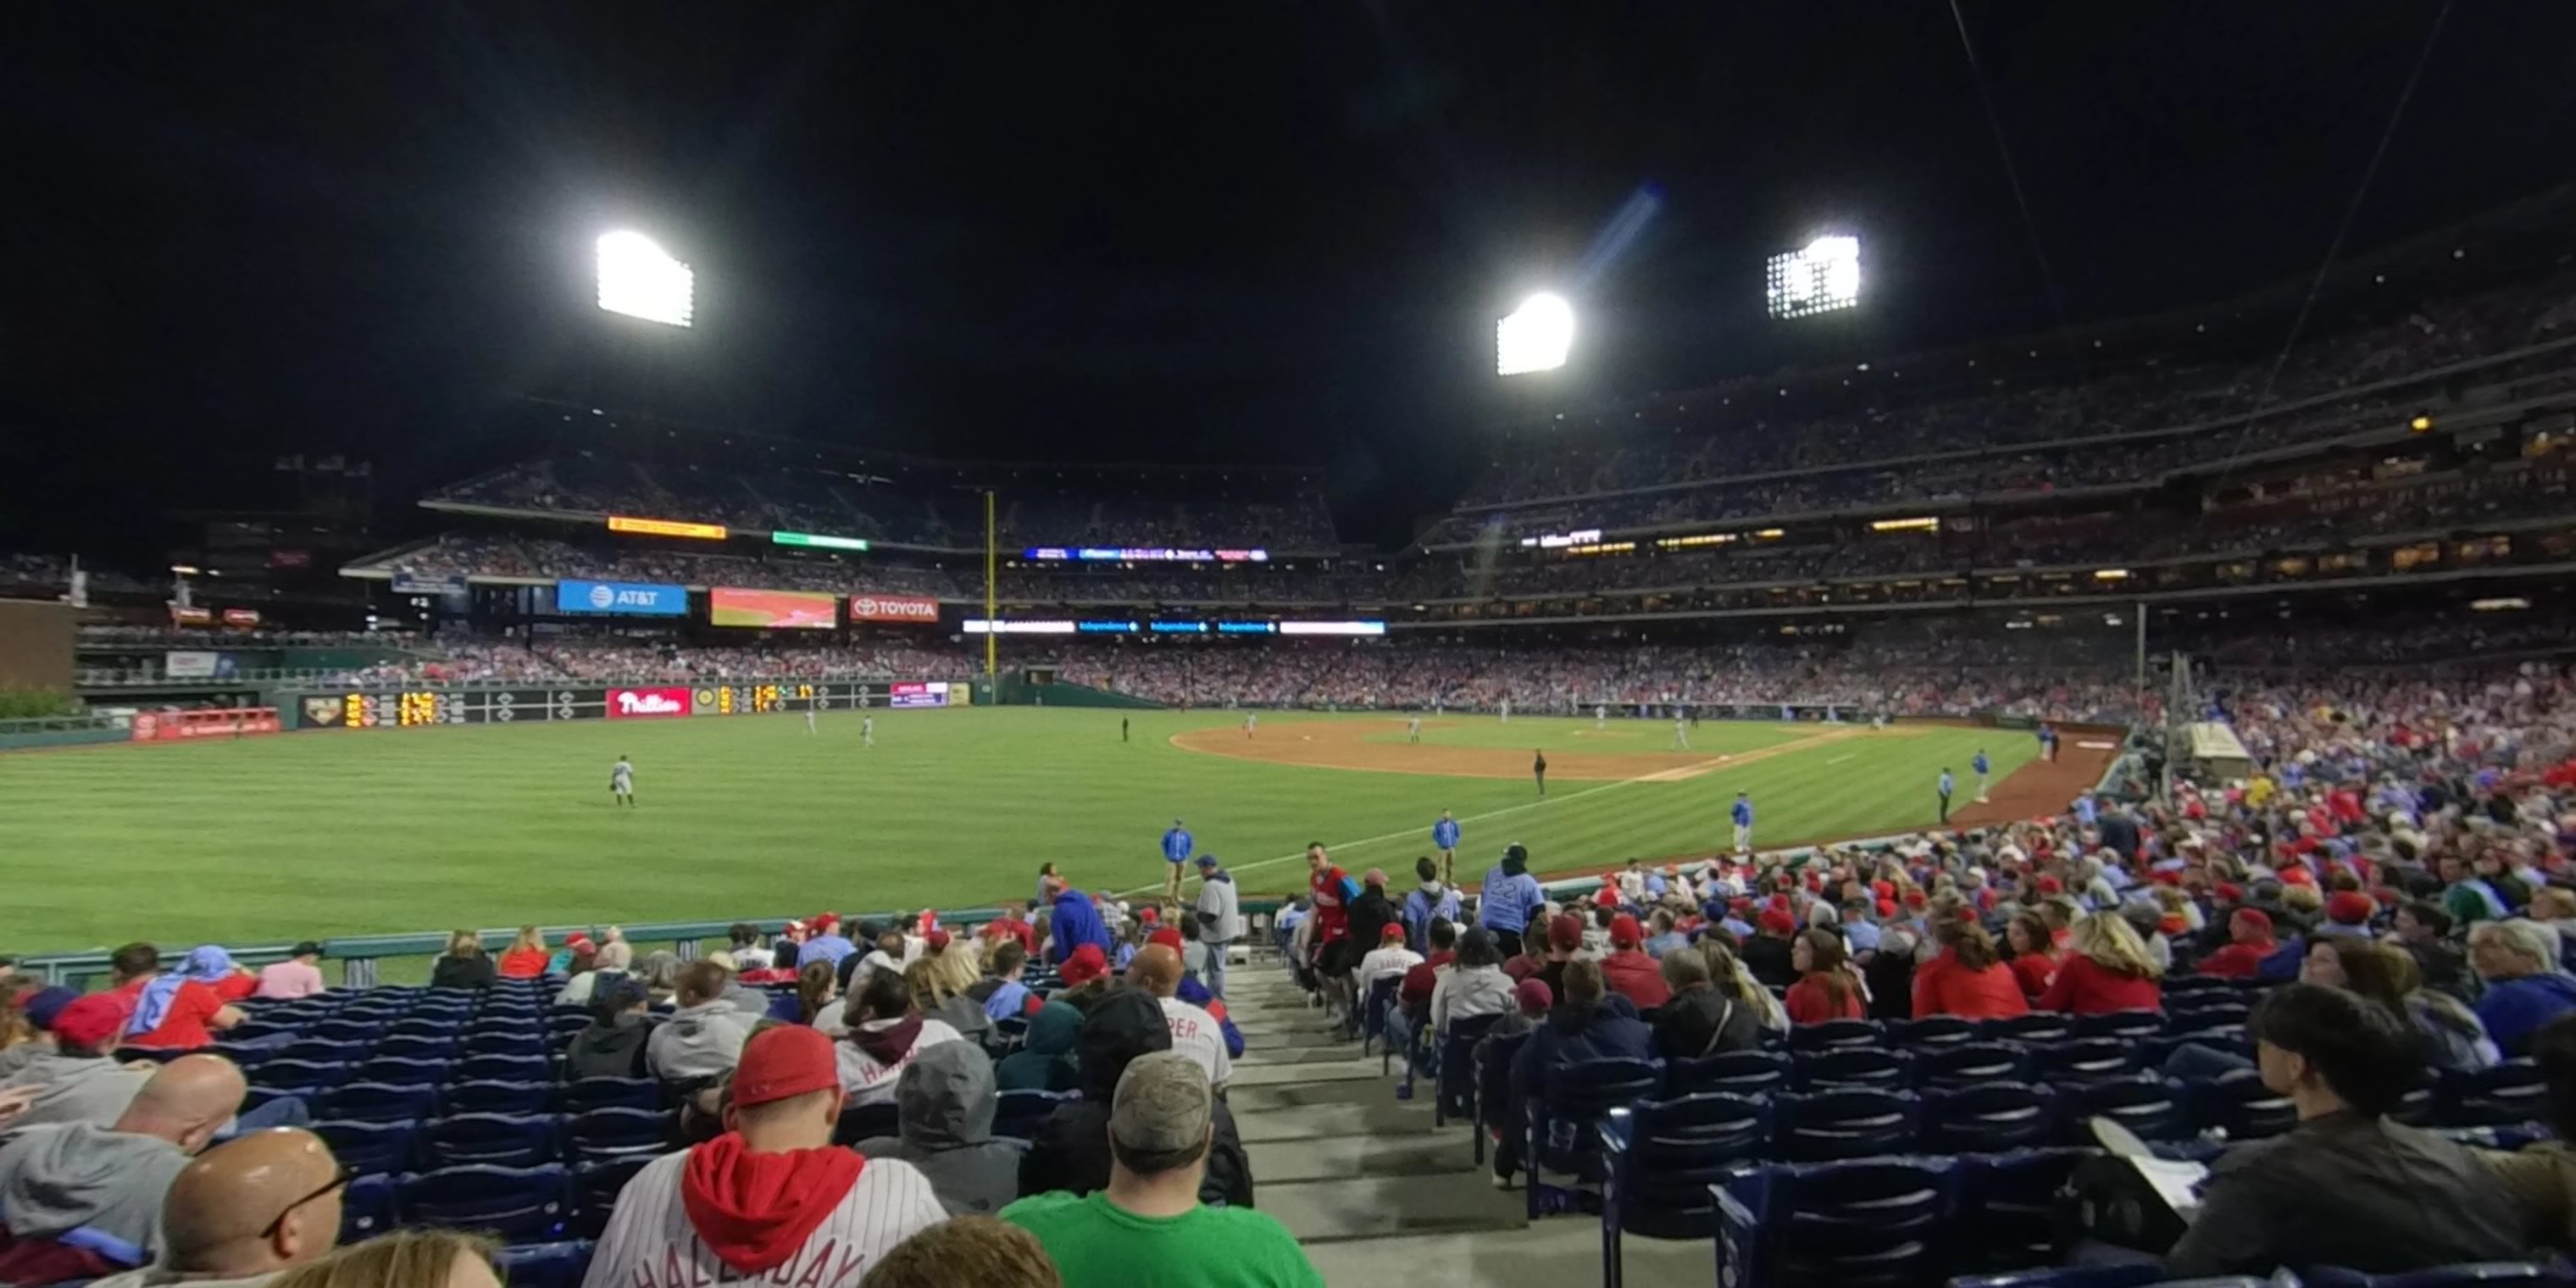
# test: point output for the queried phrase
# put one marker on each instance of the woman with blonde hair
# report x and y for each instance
(2106, 968)
(937, 995)
(614, 952)
(1726, 973)
(526, 957)
(408, 1258)
(463, 965)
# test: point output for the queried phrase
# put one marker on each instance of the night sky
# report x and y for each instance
(1111, 232)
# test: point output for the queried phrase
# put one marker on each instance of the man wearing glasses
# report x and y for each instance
(246, 1210)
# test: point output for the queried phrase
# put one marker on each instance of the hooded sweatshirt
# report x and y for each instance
(84, 1186)
(79, 1089)
(1044, 1061)
(944, 1104)
(1071, 1151)
(1076, 923)
(1511, 897)
(875, 1052)
(1421, 906)
(611, 1050)
(2515, 1009)
(700, 1043)
(721, 1212)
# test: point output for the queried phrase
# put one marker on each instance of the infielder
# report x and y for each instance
(1600, 718)
(1507, 710)
(1250, 723)
(1413, 729)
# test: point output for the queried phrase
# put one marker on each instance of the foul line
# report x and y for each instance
(1299, 854)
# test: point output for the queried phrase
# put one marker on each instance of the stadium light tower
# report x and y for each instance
(1535, 337)
(637, 278)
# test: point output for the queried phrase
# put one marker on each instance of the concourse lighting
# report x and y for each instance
(638, 279)
(1535, 337)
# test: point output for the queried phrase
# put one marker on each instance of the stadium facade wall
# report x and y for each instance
(36, 639)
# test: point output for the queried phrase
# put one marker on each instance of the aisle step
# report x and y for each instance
(1343, 1158)
(1328, 1121)
(1375, 1207)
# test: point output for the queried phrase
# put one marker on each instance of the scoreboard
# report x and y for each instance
(420, 707)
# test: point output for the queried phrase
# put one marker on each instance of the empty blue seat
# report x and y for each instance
(1020, 1113)
(2239, 1104)
(2120, 1024)
(2008, 1207)
(1453, 1068)
(1850, 1123)
(401, 1069)
(2474, 1274)
(618, 1132)
(1374, 1010)
(1492, 1104)
(608, 1093)
(492, 1097)
(595, 1187)
(1931, 1031)
(500, 1140)
(2084, 1060)
(1988, 1117)
(369, 1148)
(520, 1204)
(302, 1076)
(378, 1102)
(1835, 1033)
(1563, 1118)
(1875, 1222)
(512, 1043)
(1741, 1072)
(2202, 1011)
(2507, 1094)
(1854, 1067)
(1664, 1154)
(410, 1047)
(860, 1122)
(1962, 1063)
(343, 1032)
(2034, 1028)
(545, 1265)
(2147, 1105)
(244, 1054)
(2130, 1276)
(366, 1208)
(501, 1068)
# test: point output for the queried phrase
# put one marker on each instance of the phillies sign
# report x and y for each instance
(631, 704)
(894, 608)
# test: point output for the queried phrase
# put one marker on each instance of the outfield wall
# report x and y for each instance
(409, 707)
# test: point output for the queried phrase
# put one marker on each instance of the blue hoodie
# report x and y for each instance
(1444, 834)
(1425, 903)
(2516, 1009)
(1508, 900)
(1076, 923)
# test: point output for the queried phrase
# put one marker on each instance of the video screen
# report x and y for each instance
(775, 610)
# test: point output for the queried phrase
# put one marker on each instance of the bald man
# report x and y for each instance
(246, 1210)
(81, 1201)
(1157, 970)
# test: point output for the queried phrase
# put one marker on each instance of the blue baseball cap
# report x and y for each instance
(1207, 860)
(41, 1006)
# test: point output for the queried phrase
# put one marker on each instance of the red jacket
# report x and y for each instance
(2033, 971)
(2238, 961)
(1415, 991)
(2086, 987)
(1635, 976)
(1809, 1004)
(1945, 986)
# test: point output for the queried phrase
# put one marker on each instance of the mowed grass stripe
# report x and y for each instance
(342, 832)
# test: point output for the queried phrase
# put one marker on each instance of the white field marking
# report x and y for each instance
(1840, 759)
(1299, 854)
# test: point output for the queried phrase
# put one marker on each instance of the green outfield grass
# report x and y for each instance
(348, 832)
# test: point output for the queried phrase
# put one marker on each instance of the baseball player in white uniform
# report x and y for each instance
(867, 731)
(621, 781)
(1681, 733)
(1413, 729)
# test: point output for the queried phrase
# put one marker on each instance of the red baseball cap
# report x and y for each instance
(1393, 933)
(2256, 918)
(2051, 885)
(1778, 922)
(93, 1020)
(784, 1062)
(1083, 965)
(1149, 913)
(1565, 932)
(1170, 937)
(2349, 907)
(1887, 907)
(2298, 876)
(938, 941)
(1625, 932)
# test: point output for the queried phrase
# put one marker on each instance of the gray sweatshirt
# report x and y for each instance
(108, 1185)
(944, 1104)
(699, 1043)
(81, 1089)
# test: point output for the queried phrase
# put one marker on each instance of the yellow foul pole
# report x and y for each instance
(992, 636)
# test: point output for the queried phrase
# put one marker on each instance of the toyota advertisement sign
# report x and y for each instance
(637, 704)
(919, 609)
(638, 598)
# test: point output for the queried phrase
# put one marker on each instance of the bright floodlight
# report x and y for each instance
(1823, 277)
(638, 280)
(1535, 337)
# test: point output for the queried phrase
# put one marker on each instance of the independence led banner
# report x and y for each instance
(629, 598)
(1140, 554)
(817, 541)
(790, 610)
(665, 528)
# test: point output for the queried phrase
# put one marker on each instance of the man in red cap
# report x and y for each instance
(1390, 959)
(2348, 912)
(772, 1198)
(1085, 976)
(2250, 941)
(1627, 969)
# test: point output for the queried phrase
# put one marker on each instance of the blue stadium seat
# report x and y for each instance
(246, 1055)
(378, 1102)
(369, 1148)
(545, 1265)
(1876, 1223)
(1958, 1064)
(2507, 1094)
(1563, 1118)
(1853, 1123)
(2474, 1274)
(608, 1093)
(302, 1076)
(2084, 1060)
(1988, 1117)
(1836, 1033)
(391, 1047)
(1931, 1031)
(2034, 1028)
(2147, 1105)
(603, 1135)
(1453, 1068)
(2120, 1024)
(1742, 1072)
(2130, 1276)
(511, 1042)
(344, 1032)
(1854, 1067)
(493, 1097)
(520, 1204)
(2196, 1012)
(1663, 1155)
(860, 1122)
(1492, 1105)
(595, 1187)
(366, 1208)
(2008, 1208)
(498, 1140)
(501, 1068)
(1374, 1010)
(1019, 1114)
(435, 1035)
(2239, 1104)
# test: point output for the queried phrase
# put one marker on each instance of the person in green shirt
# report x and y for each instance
(1148, 1229)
